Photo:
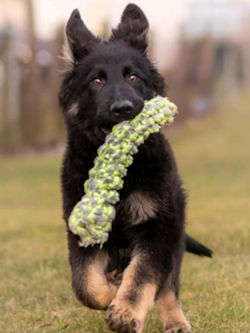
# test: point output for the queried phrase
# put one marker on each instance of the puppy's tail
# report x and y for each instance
(193, 246)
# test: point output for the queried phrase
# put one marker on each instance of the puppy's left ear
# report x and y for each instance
(133, 28)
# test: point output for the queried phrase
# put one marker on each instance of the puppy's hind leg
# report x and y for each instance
(171, 313)
(170, 308)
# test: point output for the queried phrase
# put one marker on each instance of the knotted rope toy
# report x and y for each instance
(92, 216)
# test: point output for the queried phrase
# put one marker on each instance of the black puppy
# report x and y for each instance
(107, 82)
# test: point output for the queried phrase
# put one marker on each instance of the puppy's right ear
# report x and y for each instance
(133, 28)
(79, 39)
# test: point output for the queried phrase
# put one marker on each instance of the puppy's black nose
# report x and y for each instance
(122, 107)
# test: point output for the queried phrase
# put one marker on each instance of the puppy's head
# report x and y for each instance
(107, 81)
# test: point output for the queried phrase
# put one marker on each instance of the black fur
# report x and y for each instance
(102, 73)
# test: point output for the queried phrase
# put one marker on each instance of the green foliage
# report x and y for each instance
(213, 158)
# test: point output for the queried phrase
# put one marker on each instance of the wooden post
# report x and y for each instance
(10, 126)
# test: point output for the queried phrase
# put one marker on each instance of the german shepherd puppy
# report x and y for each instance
(107, 82)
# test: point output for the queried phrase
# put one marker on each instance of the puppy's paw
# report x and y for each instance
(122, 318)
(177, 328)
(115, 277)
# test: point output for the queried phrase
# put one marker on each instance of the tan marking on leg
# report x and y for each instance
(172, 314)
(128, 276)
(124, 313)
(97, 284)
(141, 207)
(146, 300)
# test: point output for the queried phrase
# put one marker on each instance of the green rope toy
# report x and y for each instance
(92, 216)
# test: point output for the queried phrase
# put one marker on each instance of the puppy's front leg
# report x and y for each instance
(156, 244)
(134, 298)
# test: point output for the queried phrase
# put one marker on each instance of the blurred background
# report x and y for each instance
(202, 48)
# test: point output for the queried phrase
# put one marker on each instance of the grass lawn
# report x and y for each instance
(214, 159)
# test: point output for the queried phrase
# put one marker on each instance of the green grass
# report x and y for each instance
(214, 161)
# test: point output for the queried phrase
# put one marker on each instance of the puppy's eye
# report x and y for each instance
(132, 77)
(98, 82)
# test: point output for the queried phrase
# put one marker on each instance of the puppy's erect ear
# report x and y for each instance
(79, 39)
(133, 28)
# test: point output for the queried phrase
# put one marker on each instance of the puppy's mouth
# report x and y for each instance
(105, 130)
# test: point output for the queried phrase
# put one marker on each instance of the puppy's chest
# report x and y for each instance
(136, 208)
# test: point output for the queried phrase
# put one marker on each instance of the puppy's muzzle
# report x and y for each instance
(122, 109)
